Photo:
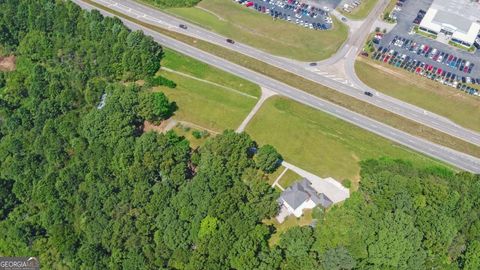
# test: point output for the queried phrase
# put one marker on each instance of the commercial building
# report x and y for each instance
(458, 20)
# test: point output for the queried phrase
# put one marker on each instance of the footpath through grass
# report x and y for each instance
(203, 103)
(322, 143)
(451, 103)
(311, 87)
(259, 30)
(360, 12)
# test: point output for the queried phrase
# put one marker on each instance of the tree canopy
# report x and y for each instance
(83, 187)
(268, 159)
(173, 3)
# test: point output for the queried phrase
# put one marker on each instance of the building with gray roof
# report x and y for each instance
(457, 19)
(301, 196)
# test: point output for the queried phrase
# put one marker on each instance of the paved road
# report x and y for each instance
(348, 52)
(447, 155)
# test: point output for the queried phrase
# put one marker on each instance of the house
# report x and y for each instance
(300, 196)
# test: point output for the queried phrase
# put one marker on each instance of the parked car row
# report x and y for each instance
(394, 58)
(352, 4)
(293, 11)
(421, 13)
(438, 56)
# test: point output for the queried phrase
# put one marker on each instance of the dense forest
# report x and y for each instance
(83, 187)
(172, 3)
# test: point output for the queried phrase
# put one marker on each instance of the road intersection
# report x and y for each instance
(450, 156)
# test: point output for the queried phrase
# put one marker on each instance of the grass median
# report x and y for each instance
(311, 87)
(446, 101)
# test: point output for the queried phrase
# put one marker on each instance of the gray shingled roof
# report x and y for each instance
(301, 191)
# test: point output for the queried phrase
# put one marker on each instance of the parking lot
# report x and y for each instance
(424, 56)
(293, 11)
(405, 18)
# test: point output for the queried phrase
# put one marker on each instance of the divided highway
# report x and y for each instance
(447, 155)
(348, 52)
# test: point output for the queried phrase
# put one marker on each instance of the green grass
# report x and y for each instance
(456, 45)
(206, 105)
(273, 176)
(291, 221)
(321, 143)
(289, 178)
(455, 105)
(251, 27)
(360, 12)
(313, 88)
(182, 63)
(186, 132)
(203, 103)
(423, 33)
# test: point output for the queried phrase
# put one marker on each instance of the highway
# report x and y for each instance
(348, 52)
(439, 152)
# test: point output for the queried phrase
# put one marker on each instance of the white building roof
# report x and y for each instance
(461, 17)
(427, 21)
(470, 36)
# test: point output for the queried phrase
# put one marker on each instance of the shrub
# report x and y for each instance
(197, 134)
(268, 159)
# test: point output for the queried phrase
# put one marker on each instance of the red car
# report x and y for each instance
(249, 4)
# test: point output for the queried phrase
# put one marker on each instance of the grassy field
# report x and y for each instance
(187, 133)
(460, 107)
(213, 106)
(321, 143)
(289, 178)
(360, 12)
(182, 63)
(207, 105)
(259, 30)
(306, 85)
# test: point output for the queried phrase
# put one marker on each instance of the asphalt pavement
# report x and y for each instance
(439, 152)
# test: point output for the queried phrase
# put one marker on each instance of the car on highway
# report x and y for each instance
(368, 93)
(231, 41)
(183, 26)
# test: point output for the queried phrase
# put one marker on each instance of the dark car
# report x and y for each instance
(231, 41)
(368, 93)
(313, 64)
(183, 26)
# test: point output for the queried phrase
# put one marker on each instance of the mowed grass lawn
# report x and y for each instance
(360, 12)
(321, 143)
(289, 178)
(182, 63)
(204, 103)
(251, 27)
(455, 105)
